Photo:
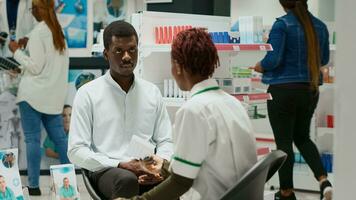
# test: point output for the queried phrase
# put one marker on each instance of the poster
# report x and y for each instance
(76, 79)
(75, 17)
(11, 132)
(10, 182)
(107, 11)
(64, 182)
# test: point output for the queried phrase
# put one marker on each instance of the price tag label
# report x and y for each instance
(236, 48)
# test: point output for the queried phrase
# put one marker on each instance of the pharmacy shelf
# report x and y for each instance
(247, 98)
(325, 130)
(174, 102)
(244, 47)
(332, 47)
(253, 98)
(262, 137)
(156, 48)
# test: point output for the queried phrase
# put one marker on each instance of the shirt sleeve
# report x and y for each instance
(162, 135)
(34, 62)
(80, 136)
(191, 145)
(277, 39)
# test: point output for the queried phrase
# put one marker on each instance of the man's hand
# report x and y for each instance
(153, 163)
(136, 166)
(13, 46)
(23, 42)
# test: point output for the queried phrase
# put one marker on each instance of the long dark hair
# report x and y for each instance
(300, 10)
(49, 16)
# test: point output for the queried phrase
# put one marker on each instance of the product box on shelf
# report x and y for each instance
(166, 34)
(251, 29)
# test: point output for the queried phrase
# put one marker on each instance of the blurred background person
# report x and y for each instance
(48, 145)
(16, 21)
(300, 44)
(43, 87)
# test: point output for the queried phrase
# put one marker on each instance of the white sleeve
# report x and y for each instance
(162, 134)
(36, 60)
(80, 150)
(191, 145)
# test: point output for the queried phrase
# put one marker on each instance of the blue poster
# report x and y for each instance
(73, 17)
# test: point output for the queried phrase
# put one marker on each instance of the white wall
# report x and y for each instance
(269, 9)
(345, 137)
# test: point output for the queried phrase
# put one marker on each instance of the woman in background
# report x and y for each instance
(300, 47)
(43, 87)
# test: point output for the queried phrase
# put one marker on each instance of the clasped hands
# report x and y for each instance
(22, 43)
(147, 170)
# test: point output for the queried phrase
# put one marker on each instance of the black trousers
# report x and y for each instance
(290, 113)
(116, 182)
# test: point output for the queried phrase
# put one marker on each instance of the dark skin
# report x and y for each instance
(122, 57)
(185, 79)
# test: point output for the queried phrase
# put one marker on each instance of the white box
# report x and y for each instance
(241, 85)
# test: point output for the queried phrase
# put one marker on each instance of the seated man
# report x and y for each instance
(109, 111)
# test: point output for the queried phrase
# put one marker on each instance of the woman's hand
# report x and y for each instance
(258, 68)
(13, 46)
(23, 42)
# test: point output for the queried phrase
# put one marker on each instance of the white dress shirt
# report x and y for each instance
(45, 72)
(213, 138)
(105, 117)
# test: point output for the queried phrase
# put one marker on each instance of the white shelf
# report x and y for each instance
(325, 130)
(147, 49)
(253, 98)
(174, 102)
(332, 47)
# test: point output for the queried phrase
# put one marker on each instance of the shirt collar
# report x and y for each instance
(112, 82)
(207, 83)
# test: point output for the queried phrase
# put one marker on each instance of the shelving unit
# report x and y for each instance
(156, 48)
(154, 66)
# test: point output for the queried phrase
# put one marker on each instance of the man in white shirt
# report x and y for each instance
(109, 111)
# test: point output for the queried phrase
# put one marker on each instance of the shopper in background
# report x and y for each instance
(48, 145)
(212, 135)
(109, 111)
(300, 47)
(43, 87)
(16, 21)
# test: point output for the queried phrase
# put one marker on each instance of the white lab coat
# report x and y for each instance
(24, 24)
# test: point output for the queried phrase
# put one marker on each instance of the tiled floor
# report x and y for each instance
(47, 195)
